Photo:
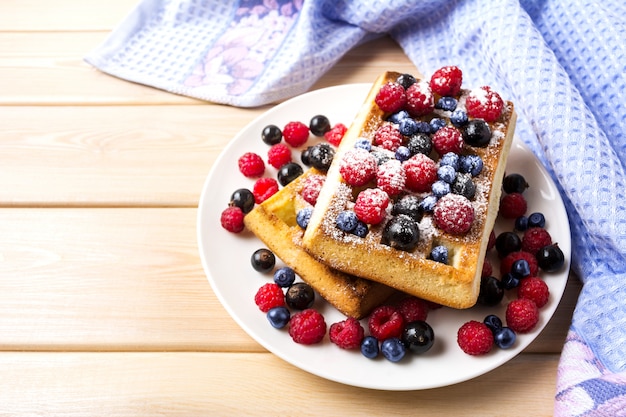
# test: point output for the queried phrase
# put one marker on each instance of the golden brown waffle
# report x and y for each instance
(274, 222)
(455, 284)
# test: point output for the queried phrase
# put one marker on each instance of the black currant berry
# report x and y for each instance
(514, 183)
(242, 198)
(271, 134)
(491, 291)
(507, 242)
(418, 336)
(263, 260)
(300, 296)
(319, 125)
(550, 258)
(401, 232)
(477, 133)
(289, 172)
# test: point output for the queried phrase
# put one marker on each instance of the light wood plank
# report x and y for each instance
(257, 384)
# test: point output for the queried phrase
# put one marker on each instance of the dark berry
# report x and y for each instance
(380, 157)
(402, 153)
(428, 203)
(401, 232)
(440, 188)
(393, 349)
(242, 198)
(536, 220)
(493, 322)
(406, 80)
(507, 242)
(363, 144)
(305, 156)
(369, 347)
(446, 103)
(458, 118)
(420, 143)
(477, 133)
(398, 116)
(463, 185)
(471, 164)
(491, 291)
(407, 126)
(451, 159)
(263, 260)
(288, 173)
(319, 125)
(439, 254)
(418, 336)
(300, 296)
(303, 216)
(520, 268)
(278, 317)
(521, 223)
(284, 276)
(446, 173)
(504, 337)
(514, 183)
(509, 281)
(271, 134)
(550, 258)
(347, 221)
(321, 156)
(361, 229)
(436, 124)
(408, 204)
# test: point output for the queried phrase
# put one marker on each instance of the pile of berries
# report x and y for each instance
(281, 142)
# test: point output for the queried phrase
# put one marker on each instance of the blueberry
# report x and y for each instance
(509, 281)
(418, 336)
(363, 144)
(397, 117)
(393, 349)
(380, 157)
(428, 203)
(536, 220)
(406, 80)
(471, 164)
(408, 204)
(319, 125)
(401, 232)
(440, 188)
(361, 229)
(278, 317)
(346, 221)
(369, 347)
(477, 133)
(436, 124)
(284, 276)
(521, 223)
(300, 296)
(446, 173)
(507, 242)
(446, 103)
(289, 172)
(520, 268)
(303, 216)
(504, 337)
(550, 258)
(402, 153)
(271, 134)
(242, 198)
(463, 185)
(263, 260)
(321, 156)
(407, 126)
(493, 322)
(423, 127)
(514, 183)
(450, 159)
(439, 254)
(458, 118)
(420, 143)
(491, 291)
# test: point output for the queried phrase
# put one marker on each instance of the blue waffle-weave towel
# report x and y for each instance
(562, 62)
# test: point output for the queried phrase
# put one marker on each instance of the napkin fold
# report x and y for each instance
(562, 62)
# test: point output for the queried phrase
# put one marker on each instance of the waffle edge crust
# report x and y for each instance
(456, 284)
(274, 223)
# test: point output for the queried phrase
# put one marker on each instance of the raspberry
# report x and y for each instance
(307, 327)
(448, 139)
(388, 137)
(412, 309)
(312, 187)
(232, 219)
(279, 155)
(507, 262)
(296, 133)
(421, 173)
(513, 205)
(446, 81)
(335, 134)
(358, 167)
(484, 103)
(475, 338)
(347, 334)
(385, 322)
(535, 289)
(522, 315)
(391, 97)
(371, 205)
(269, 296)
(535, 238)
(251, 165)
(454, 214)
(263, 189)
(487, 269)
(391, 177)
(420, 99)
(492, 240)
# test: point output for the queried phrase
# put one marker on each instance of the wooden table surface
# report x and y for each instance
(104, 305)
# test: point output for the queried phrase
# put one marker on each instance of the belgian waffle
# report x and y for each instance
(274, 222)
(455, 284)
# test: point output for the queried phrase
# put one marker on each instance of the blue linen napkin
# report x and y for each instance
(562, 62)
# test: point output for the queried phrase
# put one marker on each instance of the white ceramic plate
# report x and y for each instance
(226, 260)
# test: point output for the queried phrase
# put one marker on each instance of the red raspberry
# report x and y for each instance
(446, 81)
(535, 238)
(420, 99)
(347, 334)
(487, 269)
(371, 205)
(251, 165)
(312, 187)
(421, 173)
(507, 262)
(335, 135)
(412, 309)
(279, 155)
(484, 103)
(263, 189)
(454, 214)
(391, 177)
(492, 240)
(448, 139)
(385, 322)
(388, 137)
(475, 338)
(307, 327)
(232, 219)
(391, 97)
(535, 289)
(296, 133)
(358, 167)
(522, 315)
(269, 296)
(513, 205)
